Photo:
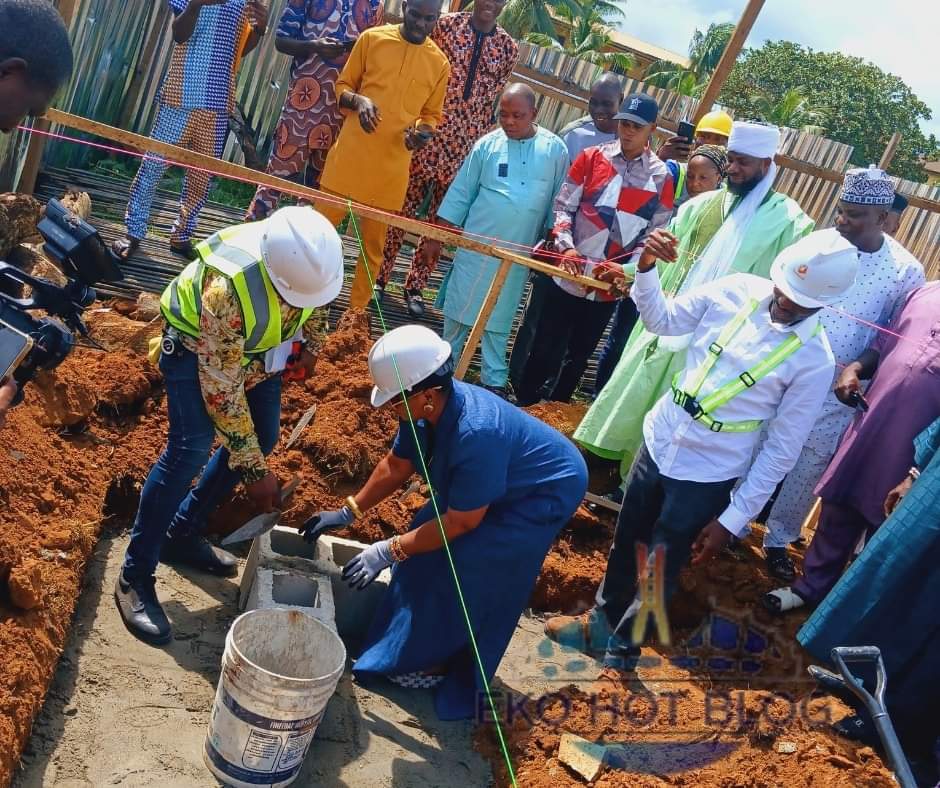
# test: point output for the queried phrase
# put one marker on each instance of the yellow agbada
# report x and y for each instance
(407, 83)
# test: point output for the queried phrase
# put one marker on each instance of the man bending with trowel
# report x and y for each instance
(233, 317)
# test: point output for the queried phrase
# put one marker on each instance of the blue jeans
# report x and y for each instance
(625, 318)
(166, 503)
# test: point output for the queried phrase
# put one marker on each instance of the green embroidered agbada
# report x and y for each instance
(613, 427)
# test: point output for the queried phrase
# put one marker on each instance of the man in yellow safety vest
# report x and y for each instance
(233, 317)
(758, 359)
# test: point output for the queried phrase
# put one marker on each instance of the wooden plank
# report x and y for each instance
(237, 172)
(890, 150)
(599, 500)
(728, 58)
(479, 325)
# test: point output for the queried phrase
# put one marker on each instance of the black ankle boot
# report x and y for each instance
(141, 611)
(194, 550)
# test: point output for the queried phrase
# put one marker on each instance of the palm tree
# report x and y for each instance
(705, 50)
(793, 109)
(521, 17)
(588, 35)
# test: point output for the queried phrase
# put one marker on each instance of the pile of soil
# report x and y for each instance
(752, 739)
(85, 435)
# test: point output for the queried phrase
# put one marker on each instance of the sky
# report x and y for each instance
(899, 36)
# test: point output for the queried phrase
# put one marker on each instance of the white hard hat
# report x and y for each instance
(403, 358)
(303, 255)
(817, 270)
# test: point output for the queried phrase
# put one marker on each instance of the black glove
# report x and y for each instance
(326, 521)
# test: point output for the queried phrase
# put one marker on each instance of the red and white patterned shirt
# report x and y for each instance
(607, 206)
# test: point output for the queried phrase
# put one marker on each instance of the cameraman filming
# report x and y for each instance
(35, 60)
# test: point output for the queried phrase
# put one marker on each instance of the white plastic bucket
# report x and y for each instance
(279, 670)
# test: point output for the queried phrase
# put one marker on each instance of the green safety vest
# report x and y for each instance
(680, 182)
(702, 410)
(232, 253)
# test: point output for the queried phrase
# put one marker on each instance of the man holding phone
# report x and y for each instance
(319, 35)
(481, 56)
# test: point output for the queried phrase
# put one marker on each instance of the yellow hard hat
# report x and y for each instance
(715, 122)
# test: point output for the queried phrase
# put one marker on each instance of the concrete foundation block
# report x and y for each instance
(280, 588)
(284, 549)
(354, 609)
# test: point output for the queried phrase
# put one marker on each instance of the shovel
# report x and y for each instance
(842, 656)
(263, 522)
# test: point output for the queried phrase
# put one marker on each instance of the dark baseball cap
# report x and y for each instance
(638, 107)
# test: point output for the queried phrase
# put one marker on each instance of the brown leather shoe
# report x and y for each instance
(587, 633)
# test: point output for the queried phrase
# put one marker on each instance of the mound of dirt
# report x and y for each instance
(52, 487)
(678, 733)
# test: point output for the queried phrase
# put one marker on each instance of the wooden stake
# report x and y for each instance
(890, 150)
(37, 142)
(479, 326)
(728, 58)
(228, 169)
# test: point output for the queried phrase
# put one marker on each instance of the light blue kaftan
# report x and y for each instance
(504, 190)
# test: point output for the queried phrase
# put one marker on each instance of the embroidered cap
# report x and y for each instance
(640, 108)
(867, 186)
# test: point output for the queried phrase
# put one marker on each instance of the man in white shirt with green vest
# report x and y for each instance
(758, 357)
(233, 317)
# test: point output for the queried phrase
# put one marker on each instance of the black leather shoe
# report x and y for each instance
(779, 564)
(194, 550)
(141, 611)
(415, 303)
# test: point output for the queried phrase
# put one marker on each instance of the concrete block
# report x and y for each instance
(279, 588)
(354, 609)
(284, 549)
(280, 548)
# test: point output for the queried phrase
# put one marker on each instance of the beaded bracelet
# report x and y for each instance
(398, 552)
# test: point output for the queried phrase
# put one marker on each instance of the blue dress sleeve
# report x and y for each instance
(177, 6)
(403, 446)
(478, 472)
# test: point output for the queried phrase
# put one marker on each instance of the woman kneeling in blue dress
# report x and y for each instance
(504, 483)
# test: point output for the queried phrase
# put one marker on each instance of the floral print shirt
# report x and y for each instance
(223, 377)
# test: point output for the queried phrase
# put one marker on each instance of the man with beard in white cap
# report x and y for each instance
(887, 274)
(740, 228)
(758, 361)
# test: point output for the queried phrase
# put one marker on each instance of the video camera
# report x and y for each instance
(29, 344)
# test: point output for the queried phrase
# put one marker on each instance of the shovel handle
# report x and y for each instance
(857, 653)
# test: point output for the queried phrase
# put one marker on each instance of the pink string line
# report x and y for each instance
(344, 203)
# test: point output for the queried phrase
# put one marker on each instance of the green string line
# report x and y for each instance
(437, 513)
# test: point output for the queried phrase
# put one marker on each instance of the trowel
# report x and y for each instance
(263, 522)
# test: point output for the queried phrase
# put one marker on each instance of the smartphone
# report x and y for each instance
(14, 347)
(686, 130)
